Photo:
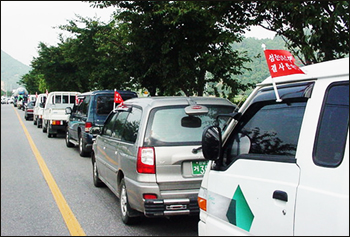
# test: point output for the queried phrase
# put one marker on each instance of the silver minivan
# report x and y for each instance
(149, 153)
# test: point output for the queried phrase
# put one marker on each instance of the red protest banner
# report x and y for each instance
(281, 63)
(117, 98)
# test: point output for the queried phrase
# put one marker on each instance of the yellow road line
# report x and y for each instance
(67, 214)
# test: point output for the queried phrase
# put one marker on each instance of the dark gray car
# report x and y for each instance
(92, 111)
(28, 110)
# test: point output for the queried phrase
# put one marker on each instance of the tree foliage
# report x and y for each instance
(317, 30)
(184, 47)
(172, 45)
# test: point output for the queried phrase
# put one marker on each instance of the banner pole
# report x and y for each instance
(114, 99)
(278, 99)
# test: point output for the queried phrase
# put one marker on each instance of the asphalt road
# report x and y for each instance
(28, 203)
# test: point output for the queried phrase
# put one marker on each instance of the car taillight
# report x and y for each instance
(146, 160)
(149, 196)
(56, 122)
(29, 110)
(88, 125)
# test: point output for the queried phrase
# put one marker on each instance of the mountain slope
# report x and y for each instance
(11, 72)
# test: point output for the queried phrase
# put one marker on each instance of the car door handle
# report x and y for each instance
(281, 195)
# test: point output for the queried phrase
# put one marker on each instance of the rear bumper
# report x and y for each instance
(170, 207)
(55, 128)
(175, 202)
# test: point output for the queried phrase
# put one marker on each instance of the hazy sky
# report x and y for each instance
(26, 23)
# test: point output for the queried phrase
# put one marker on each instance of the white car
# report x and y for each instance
(3, 100)
(39, 109)
(282, 166)
(54, 117)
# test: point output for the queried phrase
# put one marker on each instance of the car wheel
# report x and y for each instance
(68, 143)
(82, 151)
(44, 127)
(97, 181)
(25, 117)
(48, 130)
(125, 207)
(34, 121)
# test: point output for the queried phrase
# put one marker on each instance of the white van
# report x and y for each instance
(39, 110)
(282, 168)
(54, 116)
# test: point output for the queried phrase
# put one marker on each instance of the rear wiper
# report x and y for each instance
(195, 150)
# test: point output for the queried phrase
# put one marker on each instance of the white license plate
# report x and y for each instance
(198, 167)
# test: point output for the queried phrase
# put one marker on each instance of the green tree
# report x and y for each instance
(57, 72)
(317, 30)
(90, 51)
(171, 45)
(34, 82)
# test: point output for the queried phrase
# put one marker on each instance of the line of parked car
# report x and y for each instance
(6, 100)
(146, 150)
(274, 164)
(283, 161)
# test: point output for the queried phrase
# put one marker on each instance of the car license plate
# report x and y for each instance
(198, 167)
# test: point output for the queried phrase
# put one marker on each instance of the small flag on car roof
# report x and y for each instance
(117, 98)
(281, 63)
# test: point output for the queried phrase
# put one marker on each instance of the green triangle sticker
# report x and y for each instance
(239, 213)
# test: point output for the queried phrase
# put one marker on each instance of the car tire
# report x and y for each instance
(95, 176)
(44, 127)
(82, 151)
(68, 143)
(48, 130)
(34, 121)
(125, 208)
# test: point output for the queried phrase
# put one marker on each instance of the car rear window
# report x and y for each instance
(164, 127)
(104, 104)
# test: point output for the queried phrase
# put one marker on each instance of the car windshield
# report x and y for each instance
(165, 127)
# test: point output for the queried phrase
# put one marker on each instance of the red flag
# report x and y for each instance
(281, 63)
(117, 98)
(76, 99)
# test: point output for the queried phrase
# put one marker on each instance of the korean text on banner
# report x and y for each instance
(281, 63)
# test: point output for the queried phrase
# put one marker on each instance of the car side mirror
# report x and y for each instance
(211, 143)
